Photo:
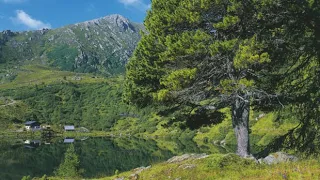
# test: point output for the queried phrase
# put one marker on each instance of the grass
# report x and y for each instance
(227, 167)
(37, 74)
(222, 167)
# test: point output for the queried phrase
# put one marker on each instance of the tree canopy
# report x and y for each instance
(233, 53)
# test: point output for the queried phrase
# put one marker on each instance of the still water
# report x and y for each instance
(99, 157)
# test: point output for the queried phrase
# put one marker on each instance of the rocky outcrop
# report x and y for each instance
(135, 173)
(175, 159)
(278, 157)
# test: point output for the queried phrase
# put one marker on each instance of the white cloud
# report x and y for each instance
(27, 20)
(13, 1)
(128, 2)
(138, 4)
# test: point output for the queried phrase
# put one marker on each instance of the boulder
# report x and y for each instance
(119, 178)
(278, 157)
(136, 172)
(140, 169)
(134, 177)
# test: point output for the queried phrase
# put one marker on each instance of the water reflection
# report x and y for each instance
(32, 143)
(68, 140)
(98, 156)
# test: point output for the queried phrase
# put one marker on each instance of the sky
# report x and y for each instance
(24, 15)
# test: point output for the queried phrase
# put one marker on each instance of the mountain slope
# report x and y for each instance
(98, 46)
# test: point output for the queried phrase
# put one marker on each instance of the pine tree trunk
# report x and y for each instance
(240, 122)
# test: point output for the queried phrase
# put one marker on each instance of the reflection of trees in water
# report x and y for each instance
(34, 162)
(69, 166)
(98, 156)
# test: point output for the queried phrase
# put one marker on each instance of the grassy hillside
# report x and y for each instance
(36, 75)
(219, 166)
(52, 96)
(229, 167)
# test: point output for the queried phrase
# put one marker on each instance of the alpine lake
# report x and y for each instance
(99, 156)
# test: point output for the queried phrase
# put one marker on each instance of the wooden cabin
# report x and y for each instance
(32, 125)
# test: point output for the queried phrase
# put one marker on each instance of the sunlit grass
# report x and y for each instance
(218, 167)
(37, 74)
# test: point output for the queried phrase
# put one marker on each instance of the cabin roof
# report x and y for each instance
(69, 127)
(30, 122)
(68, 140)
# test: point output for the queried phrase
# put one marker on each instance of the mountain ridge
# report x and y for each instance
(101, 45)
(110, 17)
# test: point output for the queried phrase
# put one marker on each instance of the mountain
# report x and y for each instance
(101, 46)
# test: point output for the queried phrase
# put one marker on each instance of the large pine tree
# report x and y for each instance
(219, 53)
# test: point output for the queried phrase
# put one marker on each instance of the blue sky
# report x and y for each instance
(21, 15)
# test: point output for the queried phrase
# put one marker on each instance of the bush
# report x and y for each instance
(26, 178)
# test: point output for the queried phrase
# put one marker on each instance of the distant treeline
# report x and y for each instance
(96, 106)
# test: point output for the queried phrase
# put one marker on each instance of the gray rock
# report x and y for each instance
(140, 169)
(136, 172)
(134, 177)
(270, 160)
(120, 178)
(278, 157)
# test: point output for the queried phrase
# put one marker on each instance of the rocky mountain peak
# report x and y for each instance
(7, 33)
(120, 21)
(115, 19)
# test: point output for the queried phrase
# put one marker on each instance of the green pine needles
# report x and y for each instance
(229, 53)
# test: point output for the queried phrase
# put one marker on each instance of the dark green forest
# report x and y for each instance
(95, 106)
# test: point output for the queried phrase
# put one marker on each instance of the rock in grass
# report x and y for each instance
(278, 157)
(136, 172)
(134, 177)
(140, 169)
(187, 166)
